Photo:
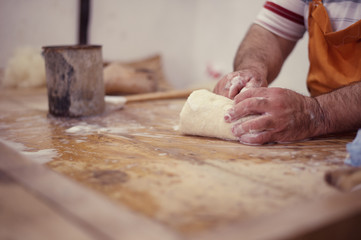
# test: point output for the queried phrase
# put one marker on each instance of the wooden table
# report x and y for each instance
(129, 174)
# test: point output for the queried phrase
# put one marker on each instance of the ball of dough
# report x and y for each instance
(203, 115)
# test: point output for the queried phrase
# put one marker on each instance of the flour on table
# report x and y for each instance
(203, 115)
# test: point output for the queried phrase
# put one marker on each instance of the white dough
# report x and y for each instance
(203, 115)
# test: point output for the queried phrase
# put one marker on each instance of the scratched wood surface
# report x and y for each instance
(38, 203)
(136, 157)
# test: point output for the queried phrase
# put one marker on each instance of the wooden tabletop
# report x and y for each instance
(129, 173)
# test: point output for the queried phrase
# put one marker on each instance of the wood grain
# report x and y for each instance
(86, 213)
(169, 94)
(136, 158)
(337, 217)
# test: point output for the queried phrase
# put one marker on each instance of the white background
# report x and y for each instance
(189, 34)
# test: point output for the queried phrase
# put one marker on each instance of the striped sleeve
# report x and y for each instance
(285, 18)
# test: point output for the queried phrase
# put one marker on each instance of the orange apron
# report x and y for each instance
(335, 57)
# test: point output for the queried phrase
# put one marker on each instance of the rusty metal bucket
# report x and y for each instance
(74, 76)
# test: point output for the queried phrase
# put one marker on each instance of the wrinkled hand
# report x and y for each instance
(232, 84)
(283, 116)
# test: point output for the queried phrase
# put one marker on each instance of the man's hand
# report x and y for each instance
(284, 116)
(233, 83)
(258, 61)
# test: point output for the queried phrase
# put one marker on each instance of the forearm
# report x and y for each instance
(341, 109)
(263, 51)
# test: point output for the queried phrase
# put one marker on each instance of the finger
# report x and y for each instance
(250, 92)
(223, 92)
(255, 124)
(220, 89)
(250, 106)
(237, 83)
(256, 83)
(256, 138)
(223, 86)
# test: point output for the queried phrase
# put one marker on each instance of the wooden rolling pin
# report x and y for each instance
(117, 102)
(171, 94)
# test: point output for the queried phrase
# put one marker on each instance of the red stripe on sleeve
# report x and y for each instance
(283, 12)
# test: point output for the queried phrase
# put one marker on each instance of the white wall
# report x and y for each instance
(219, 29)
(190, 34)
(139, 28)
(35, 23)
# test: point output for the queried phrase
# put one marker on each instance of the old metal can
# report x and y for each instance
(74, 76)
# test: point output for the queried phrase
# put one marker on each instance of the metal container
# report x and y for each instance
(74, 76)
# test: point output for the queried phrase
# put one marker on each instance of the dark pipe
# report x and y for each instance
(84, 14)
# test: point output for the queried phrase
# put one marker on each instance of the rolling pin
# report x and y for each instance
(171, 94)
(117, 102)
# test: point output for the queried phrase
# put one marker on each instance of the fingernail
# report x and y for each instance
(228, 115)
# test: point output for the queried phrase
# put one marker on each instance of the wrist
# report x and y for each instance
(319, 119)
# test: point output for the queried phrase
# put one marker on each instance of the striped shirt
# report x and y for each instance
(288, 18)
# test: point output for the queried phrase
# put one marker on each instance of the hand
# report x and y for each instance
(232, 84)
(282, 116)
